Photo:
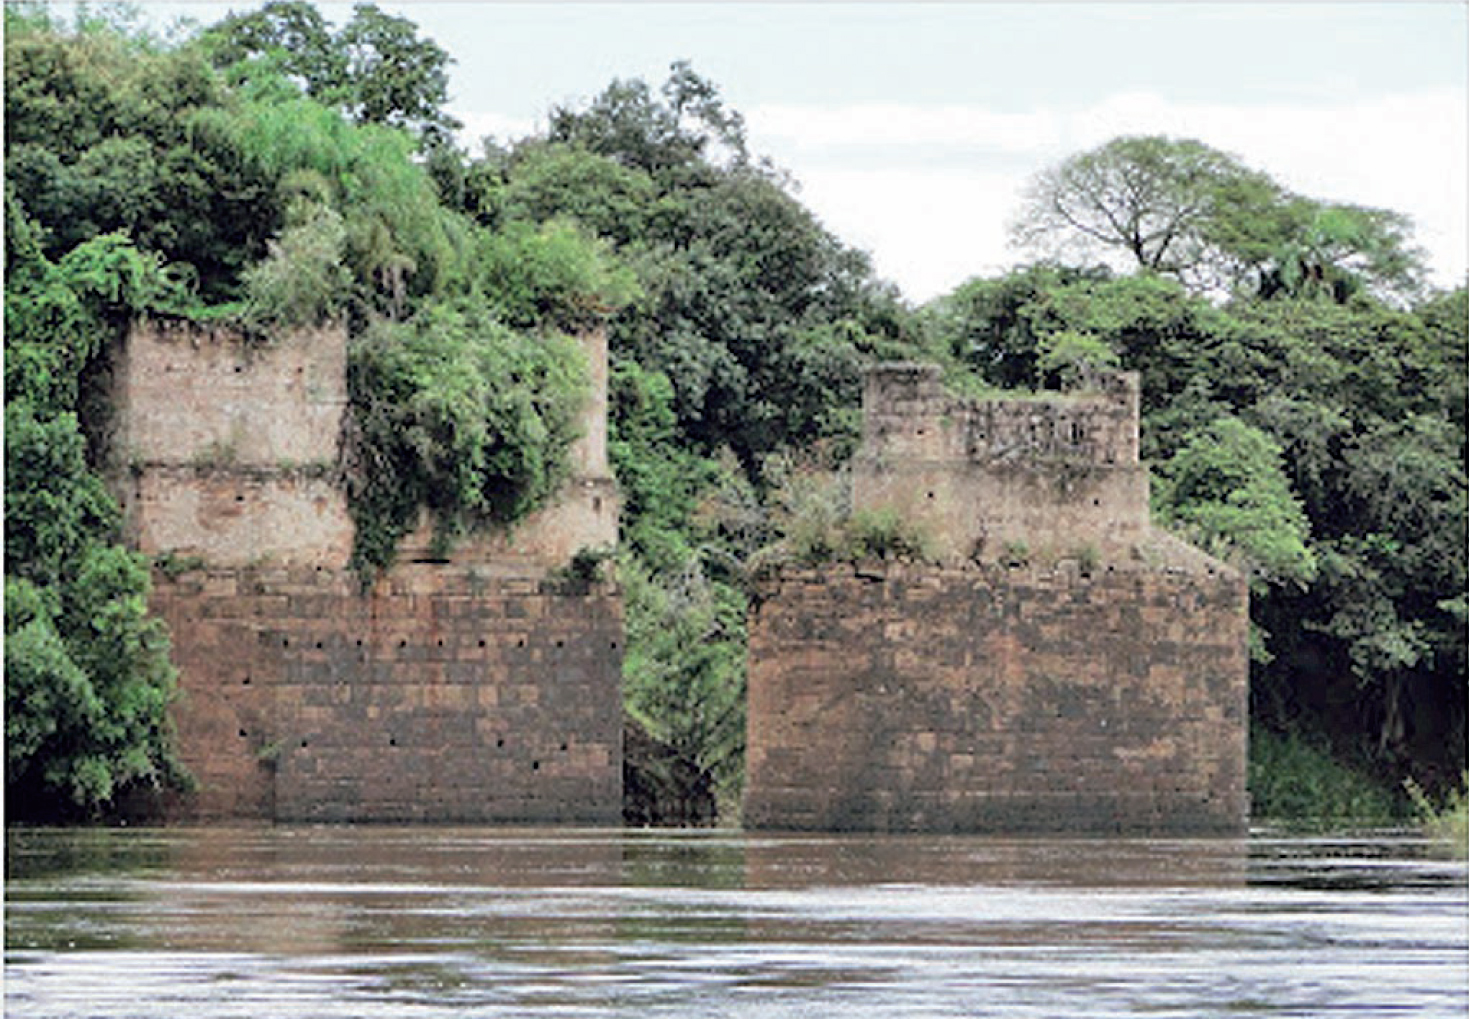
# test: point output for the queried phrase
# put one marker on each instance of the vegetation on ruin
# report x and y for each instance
(1303, 392)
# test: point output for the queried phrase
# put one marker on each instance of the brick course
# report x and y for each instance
(477, 689)
(906, 697)
(1061, 666)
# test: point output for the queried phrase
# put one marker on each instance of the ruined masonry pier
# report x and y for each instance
(476, 689)
(1064, 667)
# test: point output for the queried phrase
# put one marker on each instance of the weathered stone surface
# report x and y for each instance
(1098, 682)
(915, 698)
(471, 690)
(1058, 474)
(189, 394)
(428, 700)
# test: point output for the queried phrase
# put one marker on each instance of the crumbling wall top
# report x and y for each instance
(908, 412)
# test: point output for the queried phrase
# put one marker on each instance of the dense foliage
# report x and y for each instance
(1320, 446)
(743, 347)
(206, 180)
(1303, 395)
(87, 674)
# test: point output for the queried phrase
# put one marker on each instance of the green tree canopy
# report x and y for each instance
(1226, 487)
(1181, 208)
(376, 68)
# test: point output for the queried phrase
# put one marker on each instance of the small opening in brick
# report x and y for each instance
(535, 765)
(285, 642)
(359, 641)
(239, 498)
(402, 643)
(596, 504)
(392, 741)
(614, 645)
(244, 734)
(304, 744)
(238, 369)
(560, 643)
(245, 681)
(318, 645)
(930, 495)
(1096, 502)
(563, 746)
(520, 642)
(500, 743)
(441, 642)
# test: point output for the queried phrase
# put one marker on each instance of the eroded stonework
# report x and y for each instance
(1057, 474)
(480, 687)
(1061, 667)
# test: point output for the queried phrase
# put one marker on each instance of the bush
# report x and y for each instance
(302, 281)
(1296, 780)
(884, 534)
(459, 415)
(1446, 822)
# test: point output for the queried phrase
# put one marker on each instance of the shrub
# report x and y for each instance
(459, 415)
(1447, 822)
(1296, 780)
(883, 534)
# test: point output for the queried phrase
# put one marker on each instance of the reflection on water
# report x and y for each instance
(342, 921)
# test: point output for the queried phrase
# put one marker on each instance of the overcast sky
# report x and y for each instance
(911, 128)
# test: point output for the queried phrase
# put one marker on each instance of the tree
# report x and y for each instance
(668, 139)
(393, 77)
(375, 69)
(87, 675)
(1181, 208)
(1336, 250)
(1149, 197)
(291, 37)
(1227, 488)
(106, 132)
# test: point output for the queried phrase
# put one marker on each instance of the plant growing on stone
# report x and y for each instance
(883, 534)
(458, 415)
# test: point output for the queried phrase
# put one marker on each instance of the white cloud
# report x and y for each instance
(927, 230)
(815, 127)
(928, 189)
(481, 125)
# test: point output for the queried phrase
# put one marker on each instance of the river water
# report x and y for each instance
(405, 922)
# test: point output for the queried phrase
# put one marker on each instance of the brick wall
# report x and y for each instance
(187, 392)
(1057, 472)
(442, 695)
(899, 697)
(478, 689)
(225, 449)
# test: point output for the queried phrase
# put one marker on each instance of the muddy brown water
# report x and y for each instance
(408, 922)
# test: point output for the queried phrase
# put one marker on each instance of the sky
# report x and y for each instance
(913, 128)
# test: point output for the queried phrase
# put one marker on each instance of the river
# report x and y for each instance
(327, 922)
